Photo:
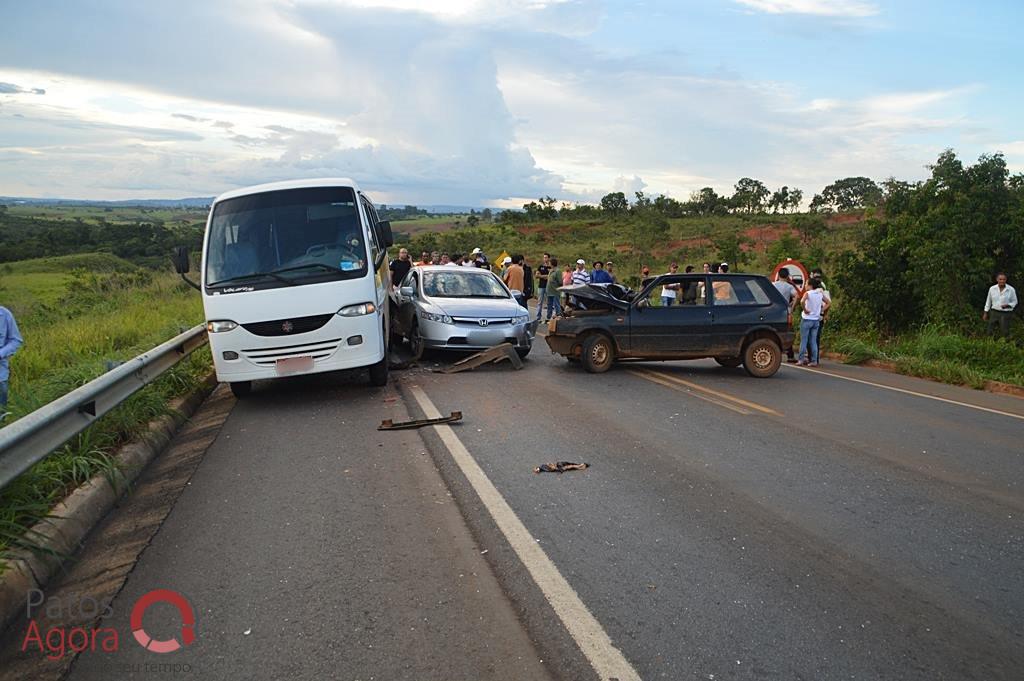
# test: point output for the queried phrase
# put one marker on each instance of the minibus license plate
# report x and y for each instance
(294, 365)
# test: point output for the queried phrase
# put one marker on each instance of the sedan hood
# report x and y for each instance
(479, 307)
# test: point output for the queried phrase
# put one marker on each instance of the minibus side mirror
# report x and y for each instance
(180, 258)
(386, 233)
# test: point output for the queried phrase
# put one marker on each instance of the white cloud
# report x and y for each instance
(827, 8)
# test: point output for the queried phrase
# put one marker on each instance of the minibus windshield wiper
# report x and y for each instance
(330, 268)
(254, 275)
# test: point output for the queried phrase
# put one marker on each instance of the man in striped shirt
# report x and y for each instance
(580, 274)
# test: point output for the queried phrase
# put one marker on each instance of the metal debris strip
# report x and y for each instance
(495, 354)
(388, 424)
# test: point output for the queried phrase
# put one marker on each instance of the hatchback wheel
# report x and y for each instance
(598, 354)
(762, 358)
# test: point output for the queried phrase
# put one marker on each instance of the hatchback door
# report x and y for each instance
(677, 331)
(738, 304)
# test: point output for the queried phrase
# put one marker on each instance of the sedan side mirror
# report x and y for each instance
(407, 292)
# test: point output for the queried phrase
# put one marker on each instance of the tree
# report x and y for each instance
(938, 244)
(809, 227)
(614, 203)
(486, 214)
(796, 196)
(750, 195)
(541, 209)
(850, 193)
(730, 249)
(472, 221)
(708, 202)
(780, 199)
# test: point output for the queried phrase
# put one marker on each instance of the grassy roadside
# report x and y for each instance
(937, 354)
(75, 323)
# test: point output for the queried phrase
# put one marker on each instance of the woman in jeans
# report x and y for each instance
(814, 305)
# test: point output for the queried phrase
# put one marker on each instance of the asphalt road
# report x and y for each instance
(810, 526)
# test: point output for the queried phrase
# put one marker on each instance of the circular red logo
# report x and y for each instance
(188, 621)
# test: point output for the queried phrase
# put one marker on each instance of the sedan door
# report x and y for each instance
(678, 331)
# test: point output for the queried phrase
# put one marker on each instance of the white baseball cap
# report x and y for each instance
(581, 261)
(507, 260)
(476, 251)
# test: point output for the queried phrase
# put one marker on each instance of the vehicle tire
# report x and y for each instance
(241, 388)
(379, 372)
(573, 360)
(416, 344)
(598, 354)
(523, 352)
(762, 358)
(729, 362)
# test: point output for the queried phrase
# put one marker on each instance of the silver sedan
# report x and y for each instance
(460, 308)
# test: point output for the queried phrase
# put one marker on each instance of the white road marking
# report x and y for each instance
(607, 660)
(909, 392)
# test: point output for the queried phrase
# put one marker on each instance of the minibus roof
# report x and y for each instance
(289, 184)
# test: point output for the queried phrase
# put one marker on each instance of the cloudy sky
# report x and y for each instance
(493, 102)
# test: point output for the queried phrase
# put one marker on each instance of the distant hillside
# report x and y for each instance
(197, 202)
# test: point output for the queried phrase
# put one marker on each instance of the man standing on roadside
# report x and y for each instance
(399, 268)
(513, 276)
(527, 278)
(999, 306)
(788, 291)
(599, 275)
(543, 270)
(609, 267)
(580, 274)
(554, 297)
(10, 341)
(668, 291)
(424, 259)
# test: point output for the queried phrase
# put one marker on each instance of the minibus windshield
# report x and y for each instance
(286, 237)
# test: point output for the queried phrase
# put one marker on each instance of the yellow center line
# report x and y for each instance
(654, 377)
(717, 393)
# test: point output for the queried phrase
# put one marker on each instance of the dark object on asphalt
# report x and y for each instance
(495, 354)
(560, 467)
(735, 319)
(388, 424)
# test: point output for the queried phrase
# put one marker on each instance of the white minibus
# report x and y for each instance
(294, 281)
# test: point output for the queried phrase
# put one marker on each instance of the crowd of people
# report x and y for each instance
(813, 297)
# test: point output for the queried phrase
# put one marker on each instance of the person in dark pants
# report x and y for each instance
(999, 306)
(400, 267)
(543, 270)
(527, 277)
(788, 291)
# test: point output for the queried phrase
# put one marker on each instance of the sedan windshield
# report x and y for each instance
(284, 237)
(459, 284)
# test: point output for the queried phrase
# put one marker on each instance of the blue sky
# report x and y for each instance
(494, 102)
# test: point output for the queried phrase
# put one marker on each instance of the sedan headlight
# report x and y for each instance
(357, 310)
(523, 318)
(220, 325)
(434, 317)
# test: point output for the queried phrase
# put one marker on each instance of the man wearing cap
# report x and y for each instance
(609, 267)
(580, 274)
(668, 291)
(504, 266)
(514, 277)
(599, 276)
(479, 259)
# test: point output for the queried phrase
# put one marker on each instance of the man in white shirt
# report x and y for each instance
(999, 306)
(668, 291)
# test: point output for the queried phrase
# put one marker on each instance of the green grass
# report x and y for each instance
(940, 355)
(75, 322)
(94, 214)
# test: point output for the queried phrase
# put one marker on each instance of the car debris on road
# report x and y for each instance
(560, 467)
(388, 424)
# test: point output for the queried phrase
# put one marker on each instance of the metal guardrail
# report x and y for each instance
(32, 438)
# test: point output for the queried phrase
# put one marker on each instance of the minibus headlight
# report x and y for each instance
(220, 325)
(357, 310)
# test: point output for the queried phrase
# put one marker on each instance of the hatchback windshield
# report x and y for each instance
(286, 237)
(458, 284)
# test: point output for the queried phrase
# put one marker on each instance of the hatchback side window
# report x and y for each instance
(738, 291)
